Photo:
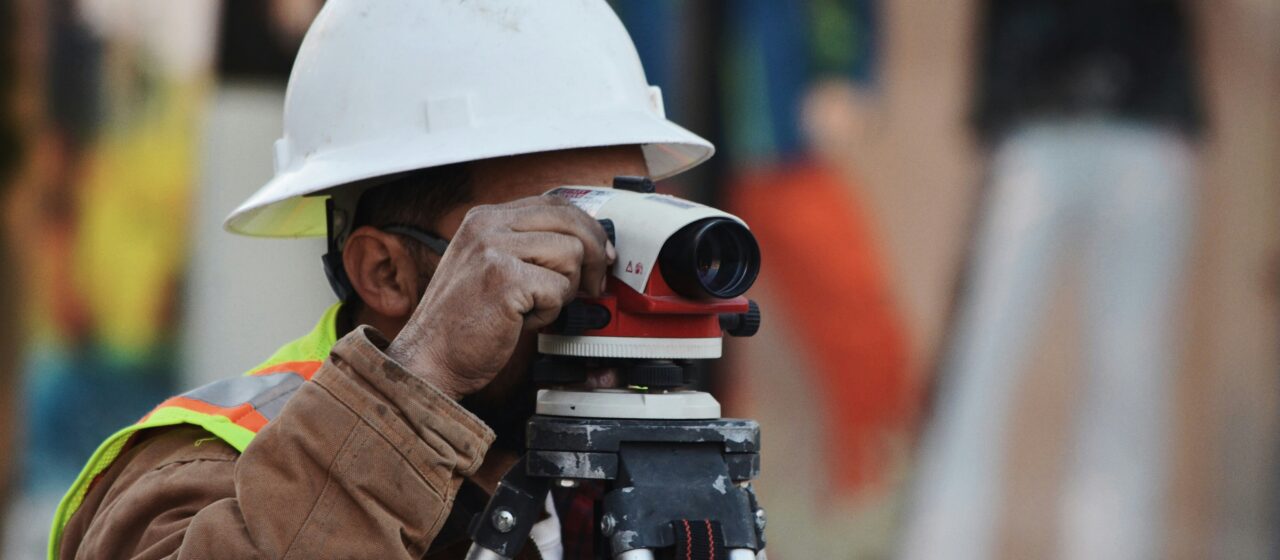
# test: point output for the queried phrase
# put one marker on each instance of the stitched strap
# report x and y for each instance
(699, 539)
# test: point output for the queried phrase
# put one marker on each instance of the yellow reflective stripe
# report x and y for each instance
(235, 435)
(314, 346)
(106, 453)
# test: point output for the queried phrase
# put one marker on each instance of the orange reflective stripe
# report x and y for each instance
(304, 368)
(244, 415)
(249, 401)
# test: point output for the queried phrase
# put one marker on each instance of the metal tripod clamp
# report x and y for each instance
(503, 528)
(664, 476)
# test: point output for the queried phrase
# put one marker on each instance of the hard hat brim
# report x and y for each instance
(287, 206)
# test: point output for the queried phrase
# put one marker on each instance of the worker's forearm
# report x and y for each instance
(375, 476)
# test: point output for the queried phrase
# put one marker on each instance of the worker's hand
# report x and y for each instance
(509, 269)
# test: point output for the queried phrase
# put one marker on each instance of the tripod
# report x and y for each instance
(676, 476)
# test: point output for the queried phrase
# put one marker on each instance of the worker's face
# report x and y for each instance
(508, 401)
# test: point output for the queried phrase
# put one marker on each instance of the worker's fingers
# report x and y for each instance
(554, 251)
(559, 217)
(538, 213)
(542, 294)
(510, 267)
(546, 214)
(569, 220)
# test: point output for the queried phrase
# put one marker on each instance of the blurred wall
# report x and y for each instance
(245, 297)
(13, 80)
(1229, 484)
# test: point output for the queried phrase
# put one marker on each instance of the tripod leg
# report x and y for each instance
(636, 554)
(503, 528)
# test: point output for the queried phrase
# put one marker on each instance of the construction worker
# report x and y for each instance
(419, 135)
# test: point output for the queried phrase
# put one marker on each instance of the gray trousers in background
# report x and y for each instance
(1119, 197)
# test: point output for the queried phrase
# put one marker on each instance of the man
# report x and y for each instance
(407, 123)
(1090, 110)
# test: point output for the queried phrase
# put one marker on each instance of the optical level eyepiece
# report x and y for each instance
(711, 258)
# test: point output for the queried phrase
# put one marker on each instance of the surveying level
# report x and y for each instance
(676, 476)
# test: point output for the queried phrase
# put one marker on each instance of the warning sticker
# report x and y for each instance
(589, 200)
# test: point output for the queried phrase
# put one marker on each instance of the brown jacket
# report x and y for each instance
(365, 461)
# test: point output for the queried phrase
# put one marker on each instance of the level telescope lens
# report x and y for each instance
(714, 257)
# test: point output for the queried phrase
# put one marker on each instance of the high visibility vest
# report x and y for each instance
(232, 409)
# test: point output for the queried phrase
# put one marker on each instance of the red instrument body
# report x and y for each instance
(658, 312)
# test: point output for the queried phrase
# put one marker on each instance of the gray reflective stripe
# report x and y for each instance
(270, 402)
(266, 393)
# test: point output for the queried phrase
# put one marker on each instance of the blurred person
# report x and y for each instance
(797, 87)
(847, 369)
(1090, 111)
(96, 222)
(832, 363)
(380, 432)
(845, 318)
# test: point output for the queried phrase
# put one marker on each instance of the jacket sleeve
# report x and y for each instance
(363, 462)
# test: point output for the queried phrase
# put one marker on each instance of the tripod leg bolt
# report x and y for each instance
(607, 525)
(504, 521)
(761, 519)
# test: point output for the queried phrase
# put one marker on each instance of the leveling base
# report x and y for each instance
(623, 403)
(674, 487)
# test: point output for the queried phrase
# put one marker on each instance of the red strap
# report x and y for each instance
(696, 546)
(711, 540)
(688, 541)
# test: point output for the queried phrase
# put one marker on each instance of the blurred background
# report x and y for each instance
(1022, 261)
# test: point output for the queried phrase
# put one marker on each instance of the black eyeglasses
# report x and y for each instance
(434, 242)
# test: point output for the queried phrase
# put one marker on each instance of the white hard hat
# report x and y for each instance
(386, 86)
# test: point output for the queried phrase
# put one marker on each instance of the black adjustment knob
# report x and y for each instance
(550, 371)
(742, 324)
(609, 230)
(634, 184)
(656, 373)
(577, 317)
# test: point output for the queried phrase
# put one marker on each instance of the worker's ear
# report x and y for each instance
(383, 272)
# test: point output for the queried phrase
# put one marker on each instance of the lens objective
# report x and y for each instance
(711, 258)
